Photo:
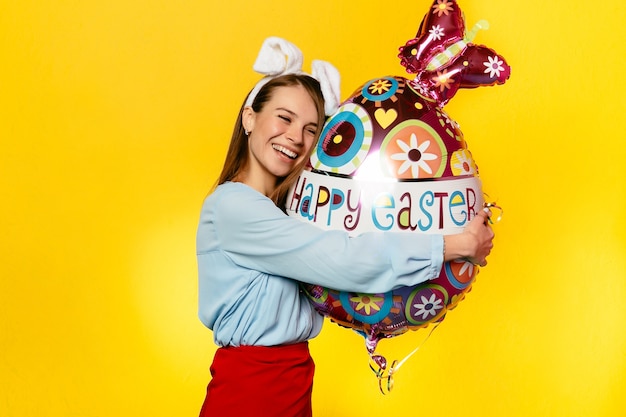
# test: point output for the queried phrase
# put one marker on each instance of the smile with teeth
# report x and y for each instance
(285, 151)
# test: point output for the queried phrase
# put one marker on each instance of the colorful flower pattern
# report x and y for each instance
(443, 7)
(398, 126)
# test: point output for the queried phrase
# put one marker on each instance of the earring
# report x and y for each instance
(246, 131)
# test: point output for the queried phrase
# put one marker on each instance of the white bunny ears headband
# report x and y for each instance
(279, 57)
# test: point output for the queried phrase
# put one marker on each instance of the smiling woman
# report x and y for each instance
(280, 134)
(252, 256)
(115, 115)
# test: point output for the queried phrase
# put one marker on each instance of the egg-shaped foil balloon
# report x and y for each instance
(390, 159)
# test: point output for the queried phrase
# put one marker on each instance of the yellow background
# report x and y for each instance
(114, 121)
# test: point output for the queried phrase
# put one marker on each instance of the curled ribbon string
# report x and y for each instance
(378, 365)
(491, 207)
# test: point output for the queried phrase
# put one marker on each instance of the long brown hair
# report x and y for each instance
(237, 156)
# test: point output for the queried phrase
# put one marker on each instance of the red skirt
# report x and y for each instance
(273, 381)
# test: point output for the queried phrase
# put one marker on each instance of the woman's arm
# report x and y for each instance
(256, 235)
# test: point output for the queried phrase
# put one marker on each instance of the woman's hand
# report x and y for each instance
(475, 242)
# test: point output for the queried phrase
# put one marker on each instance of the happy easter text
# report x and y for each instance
(431, 206)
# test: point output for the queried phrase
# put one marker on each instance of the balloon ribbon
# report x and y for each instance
(378, 365)
(493, 206)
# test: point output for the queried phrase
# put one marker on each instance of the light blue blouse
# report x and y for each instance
(251, 256)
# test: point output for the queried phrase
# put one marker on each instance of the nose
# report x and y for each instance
(294, 134)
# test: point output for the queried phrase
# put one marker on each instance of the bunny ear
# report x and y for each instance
(442, 25)
(329, 79)
(278, 56)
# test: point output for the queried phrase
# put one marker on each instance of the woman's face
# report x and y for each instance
(281, 134)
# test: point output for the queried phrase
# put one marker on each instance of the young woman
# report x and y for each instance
(251, 256)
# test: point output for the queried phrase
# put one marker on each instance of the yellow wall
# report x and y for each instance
(114, 120)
